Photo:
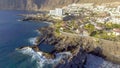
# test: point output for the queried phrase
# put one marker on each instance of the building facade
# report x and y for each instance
(56, 12)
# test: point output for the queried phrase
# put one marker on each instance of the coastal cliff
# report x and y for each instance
(74, 43)
(36, 5)
(86, 53)
(81, 48)
(109, 50)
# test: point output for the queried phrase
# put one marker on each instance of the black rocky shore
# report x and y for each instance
(78, 46)
(61, 44)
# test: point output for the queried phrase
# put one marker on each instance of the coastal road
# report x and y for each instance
(73, 34)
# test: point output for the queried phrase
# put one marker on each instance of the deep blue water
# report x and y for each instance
(13, 34)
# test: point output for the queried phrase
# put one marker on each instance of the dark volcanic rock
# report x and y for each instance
(76, 61)
(35, 48)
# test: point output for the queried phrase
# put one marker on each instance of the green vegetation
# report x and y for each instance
(110, 25)
(73, 25)
(67, 30)
(57, 26)
(89, 27)
(57, 31)
(103, 35)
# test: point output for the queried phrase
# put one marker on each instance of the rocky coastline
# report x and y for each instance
(78, 46)
(33, 17)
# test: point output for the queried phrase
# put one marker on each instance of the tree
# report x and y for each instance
(90, 28)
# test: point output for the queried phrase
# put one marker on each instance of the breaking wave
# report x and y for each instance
(41, 60)
(37, 31)
(33, 40)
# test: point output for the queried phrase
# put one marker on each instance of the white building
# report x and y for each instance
(87, 5)
(74, 9)
(109, 19)
(116, 31)
(59, 12)
(118, 9)
(115, 20)
(52, 12)
(99, 8)
(56, 12)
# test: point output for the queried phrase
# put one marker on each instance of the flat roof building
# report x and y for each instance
(56, 12)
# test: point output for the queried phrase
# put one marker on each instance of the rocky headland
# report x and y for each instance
(108, 50)
(79, 46)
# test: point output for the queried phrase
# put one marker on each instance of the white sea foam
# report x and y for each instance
(33, 40)
(42, 60)
(50, 23)
(37, 31)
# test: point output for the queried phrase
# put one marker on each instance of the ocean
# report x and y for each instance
(14, 34)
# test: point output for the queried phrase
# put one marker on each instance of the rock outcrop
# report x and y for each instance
(81, 48)
(108, 50)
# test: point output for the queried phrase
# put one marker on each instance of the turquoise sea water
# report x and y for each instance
(13, 34)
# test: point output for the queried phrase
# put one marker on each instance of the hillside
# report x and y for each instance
(43, 4)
